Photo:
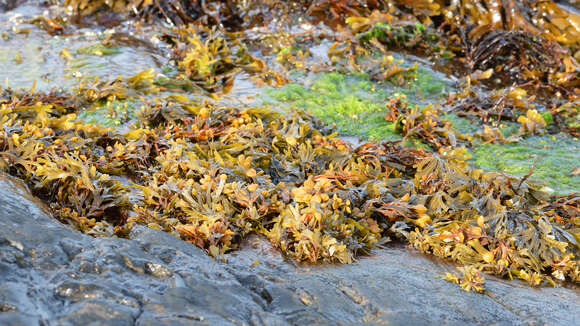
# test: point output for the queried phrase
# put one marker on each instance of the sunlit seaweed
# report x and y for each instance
(212, 174)
(213, 62)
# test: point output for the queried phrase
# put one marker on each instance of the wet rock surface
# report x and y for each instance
(53, 275)
(6, 5)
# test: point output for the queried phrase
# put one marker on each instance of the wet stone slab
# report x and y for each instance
(52, 275)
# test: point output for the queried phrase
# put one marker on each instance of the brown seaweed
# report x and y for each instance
(212, 174)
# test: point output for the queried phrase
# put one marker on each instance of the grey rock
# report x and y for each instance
(6, 5)
(53, 275)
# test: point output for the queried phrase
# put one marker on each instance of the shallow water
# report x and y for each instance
(29, 54)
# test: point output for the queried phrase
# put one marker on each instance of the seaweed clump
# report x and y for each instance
(212, 175)
(211, 59)
(525, 50)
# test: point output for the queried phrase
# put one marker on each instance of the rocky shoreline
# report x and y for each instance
(53, 275)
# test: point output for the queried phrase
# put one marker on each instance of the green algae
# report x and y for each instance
(351, 102)
(425, 84)
(409, 37)
(548, 117)
(467, 126)
(556, 158)
(110, 114)
(354, 103)
(462, 125)
(556, 155)
(99, 50)
(397, 34)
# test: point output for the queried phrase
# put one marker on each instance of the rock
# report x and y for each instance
(53, 275)
(7, 5)
(157, 270)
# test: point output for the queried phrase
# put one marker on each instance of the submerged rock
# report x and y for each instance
(6, 5)
(53, 275)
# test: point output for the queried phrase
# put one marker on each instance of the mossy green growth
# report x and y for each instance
(398, 34)
(356, 104)
(352, 102)
(548, 118)
(471, 127)
(99, 50)
(556, 155)
(462, 125)
(110, 114)
(425, 85)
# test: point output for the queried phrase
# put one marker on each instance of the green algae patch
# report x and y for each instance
(351, 102)
(99, 50)
(556, 158)
(425, 84)
(113, 113)
(462, 125)
(470, 127)
(354, 103)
